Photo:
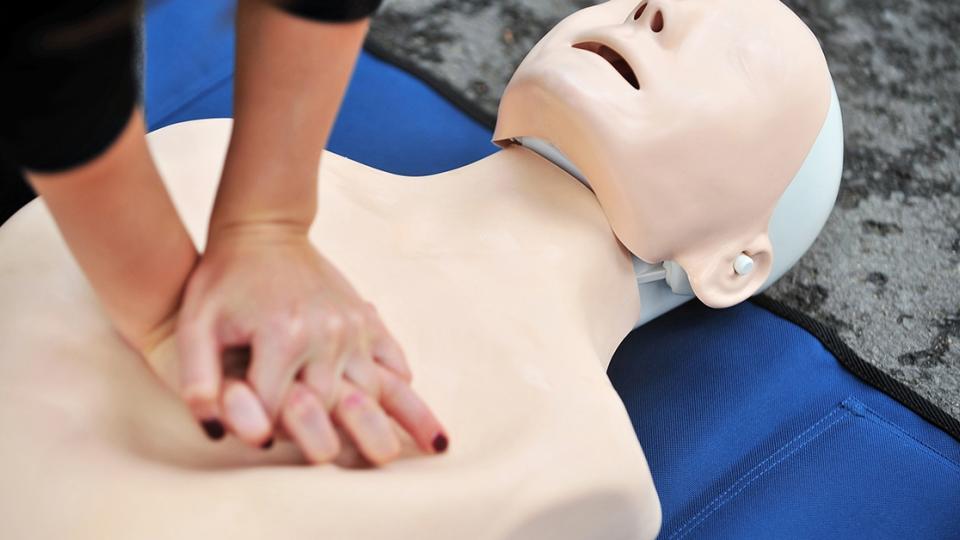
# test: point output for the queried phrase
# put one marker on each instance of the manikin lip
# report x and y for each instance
(613, 58)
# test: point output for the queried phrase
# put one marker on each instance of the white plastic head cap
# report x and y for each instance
(805, 205)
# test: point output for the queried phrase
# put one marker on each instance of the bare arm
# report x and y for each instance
(291, 77)
(123, 230)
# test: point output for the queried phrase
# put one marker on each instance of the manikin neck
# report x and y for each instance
(662, 286)
(646, 272)
(518, 216)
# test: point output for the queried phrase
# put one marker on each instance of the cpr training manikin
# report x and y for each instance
(707, 134)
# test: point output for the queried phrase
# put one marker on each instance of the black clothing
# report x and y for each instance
(67, 81)
(14, 191)
(69, 84)
(321, 10)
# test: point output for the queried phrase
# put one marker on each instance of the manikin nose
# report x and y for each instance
(648, 13)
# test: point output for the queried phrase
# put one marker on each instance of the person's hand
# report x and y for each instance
(307, 421)
(315, 349)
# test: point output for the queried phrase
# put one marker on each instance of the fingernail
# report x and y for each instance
(213, 428)
(267, 444)
(440, 443)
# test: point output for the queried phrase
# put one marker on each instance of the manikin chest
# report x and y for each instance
(508, 295)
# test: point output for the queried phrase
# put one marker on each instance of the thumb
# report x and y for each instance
(200, 373)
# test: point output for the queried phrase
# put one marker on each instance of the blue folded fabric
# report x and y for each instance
(752, 429)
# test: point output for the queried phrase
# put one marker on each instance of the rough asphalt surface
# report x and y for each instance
(886, 270)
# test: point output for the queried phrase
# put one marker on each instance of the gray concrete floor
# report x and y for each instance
(886, 270)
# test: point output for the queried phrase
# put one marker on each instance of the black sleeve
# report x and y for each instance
(330, 10)
(68, 80)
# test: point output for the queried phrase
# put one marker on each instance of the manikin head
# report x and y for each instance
(689, 119)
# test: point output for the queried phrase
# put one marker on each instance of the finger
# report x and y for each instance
(277, 356)
(323, 370)
(323, 378)
(308, 423)
(403, 404)
(385, 349)
(367, 425)
(200, 375)
(360, 369)
(245, 415)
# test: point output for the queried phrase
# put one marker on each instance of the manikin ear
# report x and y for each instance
(723, 277)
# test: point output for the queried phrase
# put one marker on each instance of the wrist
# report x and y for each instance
(253, 230)
(265, 192)
(147, 341)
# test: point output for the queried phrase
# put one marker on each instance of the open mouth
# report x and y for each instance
(613, 58)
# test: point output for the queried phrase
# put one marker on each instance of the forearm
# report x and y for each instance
(290, 78)
(124, 232)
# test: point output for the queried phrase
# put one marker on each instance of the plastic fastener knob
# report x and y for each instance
(743, 264)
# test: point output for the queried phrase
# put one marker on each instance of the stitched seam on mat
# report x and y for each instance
(746, 479)
(866, 372)
(876, 417)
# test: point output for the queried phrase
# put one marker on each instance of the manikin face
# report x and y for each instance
(689, 118)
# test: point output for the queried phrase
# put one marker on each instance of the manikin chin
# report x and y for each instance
(692, 121)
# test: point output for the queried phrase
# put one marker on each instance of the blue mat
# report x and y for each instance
(753, 430)
(751, 427)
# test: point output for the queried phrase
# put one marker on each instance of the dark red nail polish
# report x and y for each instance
(267, 444)
(440, 443)
(213, 428)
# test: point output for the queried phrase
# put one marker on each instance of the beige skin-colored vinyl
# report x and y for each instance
(503, 282)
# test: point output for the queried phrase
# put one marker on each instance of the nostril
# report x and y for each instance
(656, 23)
(639, 12)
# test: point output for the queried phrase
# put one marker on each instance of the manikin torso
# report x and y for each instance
(504, 284)
(502, 280)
